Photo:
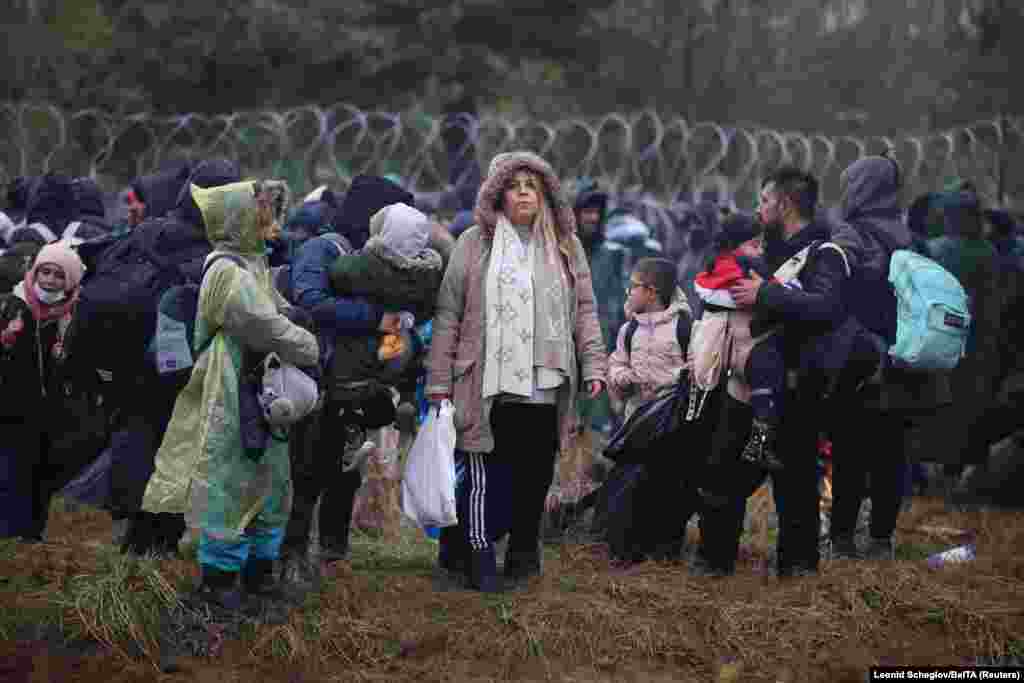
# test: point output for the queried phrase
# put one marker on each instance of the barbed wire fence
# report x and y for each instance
(664, 160)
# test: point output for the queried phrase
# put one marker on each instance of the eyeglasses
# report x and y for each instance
(633, 285)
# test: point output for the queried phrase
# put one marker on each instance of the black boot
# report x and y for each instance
(521, 566)
(483, 571)
(219, 589)
(452, 570)
(258, 578)
(760, 448)
(299, 575)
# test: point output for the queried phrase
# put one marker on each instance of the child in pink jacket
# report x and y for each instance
(654, 358)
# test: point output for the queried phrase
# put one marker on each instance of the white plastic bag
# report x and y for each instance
(428, 487)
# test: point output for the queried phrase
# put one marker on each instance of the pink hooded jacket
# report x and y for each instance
(656, 358)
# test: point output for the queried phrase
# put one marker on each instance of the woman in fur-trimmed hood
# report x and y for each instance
(515, 331)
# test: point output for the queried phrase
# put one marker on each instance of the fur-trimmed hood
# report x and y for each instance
(399, 234)
(501, 170)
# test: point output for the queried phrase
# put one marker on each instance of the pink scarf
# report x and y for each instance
(43, 312)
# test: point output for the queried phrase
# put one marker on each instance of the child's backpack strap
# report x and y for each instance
(683, 325)
(630, 331)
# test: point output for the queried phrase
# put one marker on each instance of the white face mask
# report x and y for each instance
(49, 298)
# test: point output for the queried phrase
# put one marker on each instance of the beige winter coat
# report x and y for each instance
(655, 358)
(455, 364)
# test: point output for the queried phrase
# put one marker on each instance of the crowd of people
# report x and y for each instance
(535, 313)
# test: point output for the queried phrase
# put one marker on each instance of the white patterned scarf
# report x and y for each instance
(528, 345)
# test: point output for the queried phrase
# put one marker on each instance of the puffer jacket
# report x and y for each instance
(455, 364)
(335, 316)
(655, 358)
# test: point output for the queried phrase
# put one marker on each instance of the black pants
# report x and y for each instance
(868, 459)
(517, 474)
(795, 488)
(316, 450)
(49, 473)
(766, 372)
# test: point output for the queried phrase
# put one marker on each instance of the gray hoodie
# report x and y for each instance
(872, 225)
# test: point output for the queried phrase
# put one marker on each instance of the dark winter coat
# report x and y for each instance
(335, 316)
(871, 232)
(160, 191)
(51, 201)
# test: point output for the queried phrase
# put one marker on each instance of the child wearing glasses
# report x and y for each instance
(649, 358)
(725, 335)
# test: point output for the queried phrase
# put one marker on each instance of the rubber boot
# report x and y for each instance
(483, 572)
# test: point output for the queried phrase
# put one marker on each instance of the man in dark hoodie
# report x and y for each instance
(316, 467)
(809, 316)
(868, 440)
(143, 399)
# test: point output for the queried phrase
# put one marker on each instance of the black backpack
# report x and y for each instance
(117, 308)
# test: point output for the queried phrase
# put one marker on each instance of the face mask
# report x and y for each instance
(49, 298)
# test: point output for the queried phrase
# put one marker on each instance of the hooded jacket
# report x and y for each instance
(395, 271)
(654, 359)
(161, 191)
(455, 362)
(871, 231)
(201, 467)
(51, 201)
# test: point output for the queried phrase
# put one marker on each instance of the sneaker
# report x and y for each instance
(760, 447)
(844, 548)
(799, 572)
(881, 549)
(700, 568)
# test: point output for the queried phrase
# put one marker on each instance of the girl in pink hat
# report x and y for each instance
(40, 413)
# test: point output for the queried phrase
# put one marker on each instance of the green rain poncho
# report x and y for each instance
(201, 469)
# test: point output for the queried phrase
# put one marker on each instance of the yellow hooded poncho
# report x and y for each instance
(201, 468)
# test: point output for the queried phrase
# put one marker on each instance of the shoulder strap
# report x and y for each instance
(630, 331)
(683, 325)
(213, 259)
(218, 255)
(842, 254)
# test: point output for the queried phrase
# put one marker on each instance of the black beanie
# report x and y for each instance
(737, 229)
(368, 195)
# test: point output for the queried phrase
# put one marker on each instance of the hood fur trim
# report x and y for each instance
(426, 260)
(502, 168)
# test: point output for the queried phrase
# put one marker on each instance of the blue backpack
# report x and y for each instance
(172, 345)
(932, 315)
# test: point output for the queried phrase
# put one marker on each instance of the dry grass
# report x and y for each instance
(379, 617)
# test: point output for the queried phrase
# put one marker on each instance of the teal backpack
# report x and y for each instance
(932, 315)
